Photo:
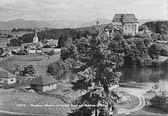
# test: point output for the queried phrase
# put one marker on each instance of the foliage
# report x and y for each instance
(137, 52)
(61, 40)
(29, 69)
(50, 53)
(155, 50)
(165, 63)
(60, 67)
(158, 101)
(98, 74)
(158, 26)
(21, 29)
(56, 68)
(83, 111)
(1, 51)
(69, 51)
(58, 34)
(14, 42)
(22, 52)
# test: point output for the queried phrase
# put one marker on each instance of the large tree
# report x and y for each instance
(98, 73)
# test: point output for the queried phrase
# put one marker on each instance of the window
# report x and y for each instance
(11, 79)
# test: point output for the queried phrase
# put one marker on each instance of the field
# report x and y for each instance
(40, 62)
(147, 112)
(130, 101)
(14, 100)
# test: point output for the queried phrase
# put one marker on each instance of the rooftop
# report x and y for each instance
(6, 74)
(43, 80)
(124, 18)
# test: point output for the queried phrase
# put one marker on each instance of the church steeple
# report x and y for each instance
(35, 39)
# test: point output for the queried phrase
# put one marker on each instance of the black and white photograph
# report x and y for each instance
(83, 57)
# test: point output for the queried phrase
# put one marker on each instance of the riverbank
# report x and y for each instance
(139, 90)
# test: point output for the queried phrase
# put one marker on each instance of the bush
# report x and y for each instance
(158, 101)
(155, 50)
(29, 69)
(164, 52)
(156, 63)
(22, 52)
(165, 63)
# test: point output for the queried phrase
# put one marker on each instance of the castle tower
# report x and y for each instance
(35, 39)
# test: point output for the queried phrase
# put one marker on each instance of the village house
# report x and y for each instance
(127, 23)
(43, 83)
(52, 42)
(7, 78)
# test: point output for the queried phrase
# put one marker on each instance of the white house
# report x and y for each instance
(32, 51)
(57, 50)
(43, 83)
(7, 78)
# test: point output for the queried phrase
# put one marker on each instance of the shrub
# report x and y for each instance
(29, 69)
(155, 50)
(165, 63)
(158, 101)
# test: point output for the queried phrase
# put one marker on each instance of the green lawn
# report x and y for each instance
(39, 61)
(132, 101)
(13, 100)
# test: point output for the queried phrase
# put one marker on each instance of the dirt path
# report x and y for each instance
(136, 92)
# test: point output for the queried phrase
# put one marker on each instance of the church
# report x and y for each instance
(35, 39)
(34, 45)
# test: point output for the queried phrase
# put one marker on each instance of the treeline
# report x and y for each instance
(57, 34)
(130, 52)
(22, 29)
(158, 26)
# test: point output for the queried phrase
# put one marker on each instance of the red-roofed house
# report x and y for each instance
(126, 22)
(43, 83)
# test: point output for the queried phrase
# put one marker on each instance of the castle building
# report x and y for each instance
(127, 23)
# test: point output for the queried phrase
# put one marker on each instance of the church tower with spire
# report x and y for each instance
(35, 39)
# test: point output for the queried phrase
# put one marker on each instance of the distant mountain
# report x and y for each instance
(91, 23)
(20, 23)
(143, 21)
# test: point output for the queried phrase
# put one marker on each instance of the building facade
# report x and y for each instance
(7, 78)
(127, 23)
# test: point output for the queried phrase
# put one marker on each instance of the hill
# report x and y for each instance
(158, 26)
(58, 24)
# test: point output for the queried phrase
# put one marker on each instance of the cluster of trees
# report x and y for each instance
(22, 29)
(24, 70)
(97, 56)
(159, 102)
(158, 26)
(60, 34)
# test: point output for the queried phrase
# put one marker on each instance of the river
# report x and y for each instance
(141, 75)
(146, 75)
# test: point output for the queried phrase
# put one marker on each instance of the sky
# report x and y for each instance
(83, 10)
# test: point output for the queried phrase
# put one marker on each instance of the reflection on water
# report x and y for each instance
(144, 74)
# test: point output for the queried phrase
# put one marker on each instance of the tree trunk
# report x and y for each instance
(96, 110)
